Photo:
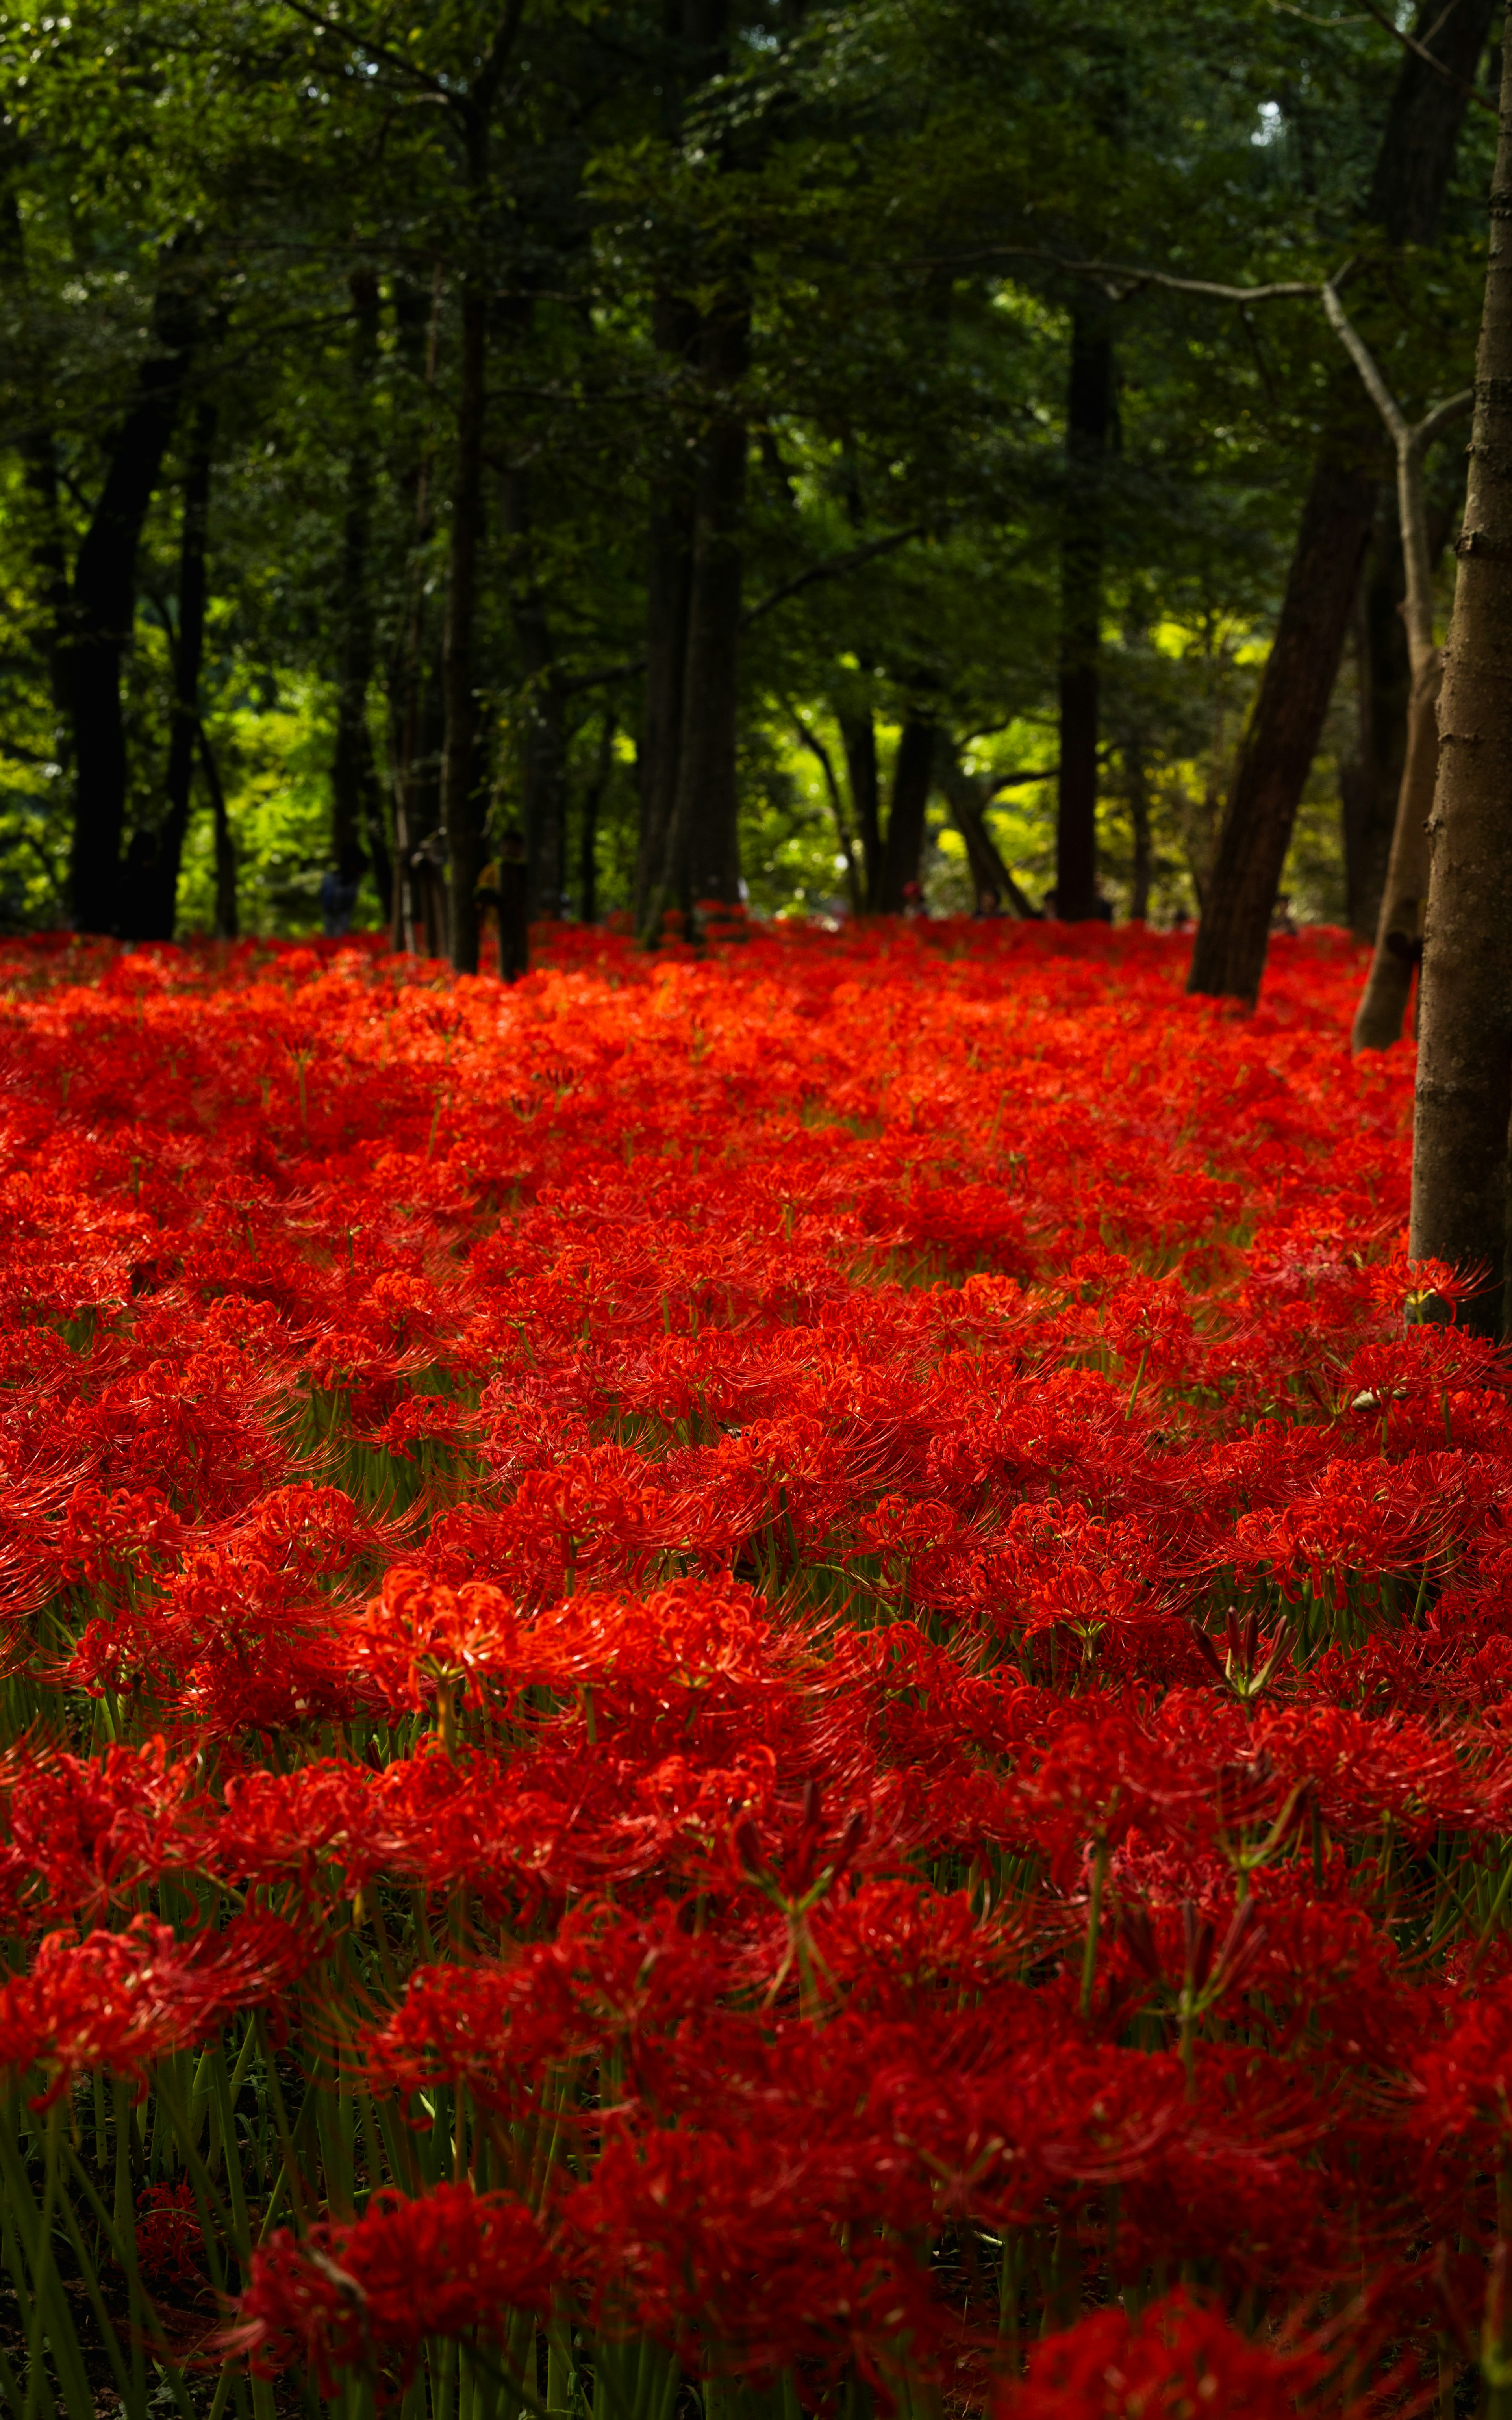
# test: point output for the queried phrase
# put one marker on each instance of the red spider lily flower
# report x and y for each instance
(124, 2000)
(1177, 2360)
(170, 2246)
(366, 2296)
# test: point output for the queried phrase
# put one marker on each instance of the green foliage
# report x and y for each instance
(895, 186)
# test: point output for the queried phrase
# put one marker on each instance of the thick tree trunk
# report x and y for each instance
(912, 773)
(356, 799)
(543, 747)
(102, 609)
(858, 736)
(702, 858)
(458, 761)
(151, 915)
(37, 446)
(1464, 1069)
(1089, 428)
(1371, 780)
(1412, 168)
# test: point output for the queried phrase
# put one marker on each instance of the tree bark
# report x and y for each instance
(913, 772)
(356, 800)
(414, 684)
(1464, 1071)
(459, 814)
(543, 742)
(858, 736)
(588, 830)
(38, 449)
(702, 858)
(668, 592)
(1089, 428)
(1411, 170)
(227, 919)
(151, 914)
(102, 607)
(968, 802)
(1379, 1021)
(1370, 781)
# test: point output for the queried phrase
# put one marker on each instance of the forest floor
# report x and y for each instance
(741, 1685)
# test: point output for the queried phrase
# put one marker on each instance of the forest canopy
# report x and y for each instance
(752, 451)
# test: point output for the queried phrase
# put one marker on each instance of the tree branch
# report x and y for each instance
(1419, 50)
(832, 568)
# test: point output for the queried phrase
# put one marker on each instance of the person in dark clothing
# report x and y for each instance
(501, 888)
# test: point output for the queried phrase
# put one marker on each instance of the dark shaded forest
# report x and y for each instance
(840, 461)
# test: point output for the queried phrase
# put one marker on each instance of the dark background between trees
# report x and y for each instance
(692, 435)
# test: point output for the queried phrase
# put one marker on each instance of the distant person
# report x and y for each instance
(914, 901)
(338, 893)
(988, 902)
(503, 891)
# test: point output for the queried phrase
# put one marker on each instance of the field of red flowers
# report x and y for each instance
(742, 1687)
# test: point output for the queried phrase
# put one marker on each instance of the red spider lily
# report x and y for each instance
(123, 2000)
(1177, 2360)
(366, 2295)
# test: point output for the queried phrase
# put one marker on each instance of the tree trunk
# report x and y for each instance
(1370, 781)
(967, 803)
(701, 859)
(1412, 168)
(1137, 785)
(669, 591)
(458, 813)
(858, 736)
(356, 800)
(913, 772)
(226, 921)
(1464, 1069)
(1089, 428)
(102, 609)
(151, 915)
(414, 686)
(588, 831)
(37, 446)
(543, 742)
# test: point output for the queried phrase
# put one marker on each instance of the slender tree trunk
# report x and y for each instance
(1379, 1021)
(103, 608)
(588, 830)
(913, 772)
(1411, 170)
(413, 683)
(967, 804)
(226, 919)
(858, 736)
(156, 906)
(356, 799)
(1137, 785)
(1089, 428)
(38, 448)
(668, 593)
(1464, 1069)
(459, 810)
(543, 745)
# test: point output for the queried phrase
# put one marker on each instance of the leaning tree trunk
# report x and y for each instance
(1412, 168)
(1089, 428)
(1379, 1019)
(103, 608)
(227, 919)
(1464, 1069)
